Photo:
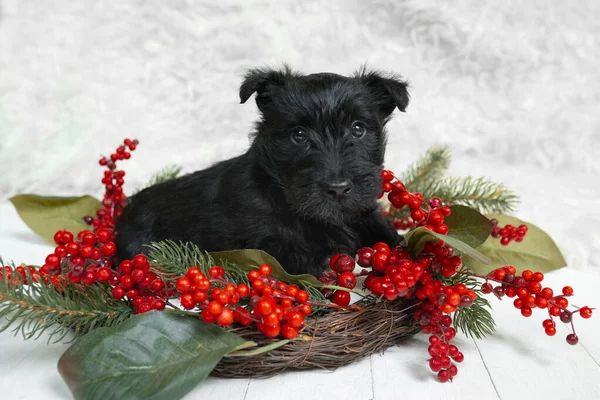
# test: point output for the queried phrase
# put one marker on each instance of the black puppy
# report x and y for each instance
(305, 190)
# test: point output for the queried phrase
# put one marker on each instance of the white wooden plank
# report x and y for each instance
(350, 382)
(525, 363)
(403, 372)
(35, 376)
(218, 388)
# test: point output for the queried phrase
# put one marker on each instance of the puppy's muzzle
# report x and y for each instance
(337, 189)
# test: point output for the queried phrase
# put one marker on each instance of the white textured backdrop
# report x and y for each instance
(511, 86)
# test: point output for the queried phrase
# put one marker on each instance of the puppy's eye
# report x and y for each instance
(299, 136)
(358, 129)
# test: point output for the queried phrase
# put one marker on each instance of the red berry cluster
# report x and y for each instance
(508, 233)
(393, 274)
(529, 294)
(81, 258)
(429, 214)
(18, 275)
(342, 266)
(276, 307)
(114, 199)
(135, 280)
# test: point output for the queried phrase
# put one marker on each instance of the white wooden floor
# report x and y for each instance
(519, 362)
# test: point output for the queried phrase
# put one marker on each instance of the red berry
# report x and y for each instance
(302, 296)
(379, 261)
(572, 339)
(187, 301)
(118, 292)
(459, 357)
(103, 274)
(264, 270)
(126, 267)
(243, 290)
(209, 317)
(88, 238)
(296, 319)
(341, 298)
(271, 320)
(216, 272)
(269, 331)
(442, 229)
(109, 249)
(139, 261)
(387, 176)
(444, 375)
(158, 304)
(585, 312)
(225, 318)
(306, 309)
(526, 311)
(104, 235)
(435, 364)
(89, 278)
(332, 261)
(347, 280)
(550, 331)
(288, 331)
(343, 263)
(263, 307)
(73, 248)
(183, 284)
(547, 323)
(52, 261)
(567, 290)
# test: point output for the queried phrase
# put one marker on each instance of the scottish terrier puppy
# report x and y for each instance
(305, 190)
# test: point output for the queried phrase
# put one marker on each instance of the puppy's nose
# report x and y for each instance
(337, 189)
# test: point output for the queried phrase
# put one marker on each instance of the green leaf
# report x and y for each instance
(156, 355)
(536, 252)
(417, 238)
(248, 260)
(45, 215)
(468, 225)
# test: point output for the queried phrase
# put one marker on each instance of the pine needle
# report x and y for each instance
(475, 321)
(429, 168)
(478, 193)
(37, 308)
(166, 174)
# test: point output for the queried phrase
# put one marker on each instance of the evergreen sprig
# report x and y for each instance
(166, 174)
(430, 167)
(40, 307)
(475, 321)
(478, 193)
(174, 259)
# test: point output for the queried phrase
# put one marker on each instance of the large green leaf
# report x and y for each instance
(251, 259)
(45, 215)
(468, 225)
(157, 355)
(417, 238)
(536, 252)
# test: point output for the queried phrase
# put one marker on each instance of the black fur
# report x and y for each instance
(281, 196)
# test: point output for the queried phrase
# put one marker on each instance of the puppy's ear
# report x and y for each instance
(259, 81)
(389, 90)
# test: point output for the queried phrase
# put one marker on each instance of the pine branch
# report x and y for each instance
(174, 259)
(475, 321)
(37, 308)
(429, 168)
(478, 193)
(166, 174)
